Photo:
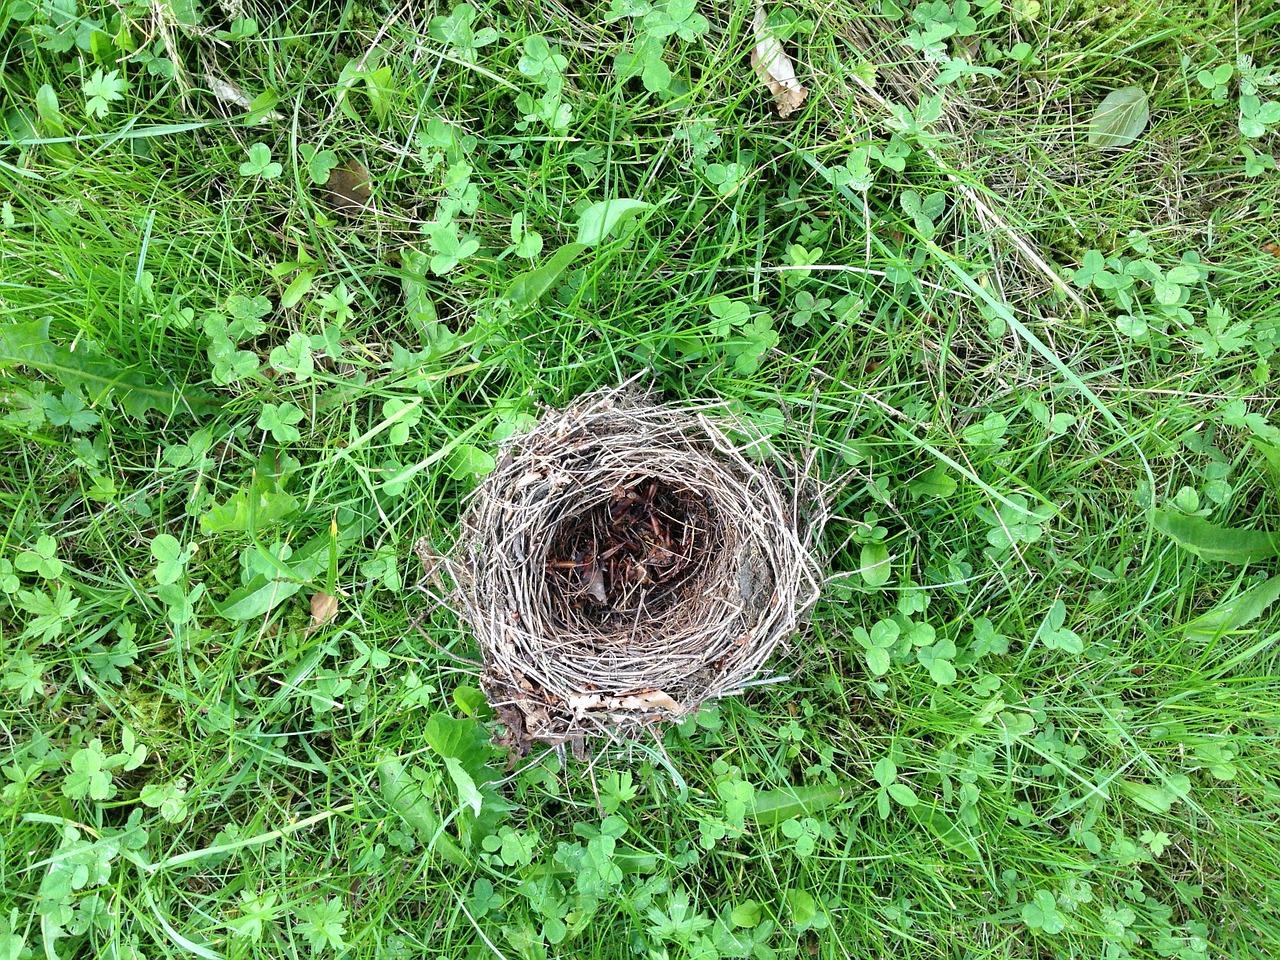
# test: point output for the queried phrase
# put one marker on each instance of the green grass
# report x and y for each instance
(191, 770)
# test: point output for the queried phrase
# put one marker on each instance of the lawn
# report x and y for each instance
(276, 284)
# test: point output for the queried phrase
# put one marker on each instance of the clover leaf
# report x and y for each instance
(260, 163)
(280, 421)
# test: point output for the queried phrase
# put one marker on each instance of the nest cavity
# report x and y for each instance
(626, 561)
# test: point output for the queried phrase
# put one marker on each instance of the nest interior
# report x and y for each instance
(626, 561)
(626, 558)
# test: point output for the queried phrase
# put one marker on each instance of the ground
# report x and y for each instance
(274, 286)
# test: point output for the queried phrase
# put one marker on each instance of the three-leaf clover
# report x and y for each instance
(260, 163)
(1042, 913)
(936, 658)
(101, 91)
(987, 640)
(168, 798)
(892, 155)
(294, 356)
(1054, 635)
(229, 364)
(514, 847)
(989, 431)
(280, 421)
(726, 177)
(542, 62)
(88, 778)
(886, 773)
(1014, 523)
(154, 61)
(627, 8)
(856, 173)
(678, 17)
(877, 646)
(450, 249)
(728, 314)
(405, 414)
(320, 163)
(923, 210)
(247, 315)
(644, 60)
(805, 831)
(1215, 81)
(42, 559)
(170, 558)
(807, 307)
(484, 899)
(455, 30)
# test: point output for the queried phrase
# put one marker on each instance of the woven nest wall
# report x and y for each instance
(627, 561)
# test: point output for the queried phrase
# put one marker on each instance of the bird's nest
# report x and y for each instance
(627, 561)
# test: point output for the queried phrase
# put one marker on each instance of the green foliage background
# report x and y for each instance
(1035, 713)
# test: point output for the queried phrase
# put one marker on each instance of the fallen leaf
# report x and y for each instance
(323, 609)
(581, 703)
(1120, 119)
(649, 700)
(653, 700)
(348, 189)
(595, 586)
(774, 67)
(228, 92)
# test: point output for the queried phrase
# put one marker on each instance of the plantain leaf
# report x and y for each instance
(1157, 799)
(99, 375)
(599, 220)
(305, 566)
(1234, 613)
(529, 287)
(945, 829)
(1119, 119)
(771, 807)
(404, 795)
(263, 501)
(1212, 542)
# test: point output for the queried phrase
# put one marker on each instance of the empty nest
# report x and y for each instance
(626, 561)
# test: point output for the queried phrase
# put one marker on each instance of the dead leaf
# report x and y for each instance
(652, 700)
(323, 609)
(581, 703)
(774, 67)
(648, 700)
(595, 586)
(228, 92)
(349, 188)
